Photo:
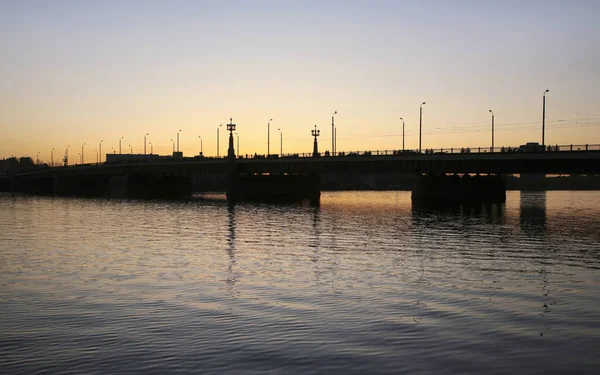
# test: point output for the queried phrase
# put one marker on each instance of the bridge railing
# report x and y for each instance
(444, 150)
(397, 152)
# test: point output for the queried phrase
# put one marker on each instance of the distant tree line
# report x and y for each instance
(14, 164)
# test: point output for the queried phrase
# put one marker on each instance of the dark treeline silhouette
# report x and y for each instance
(15, 165)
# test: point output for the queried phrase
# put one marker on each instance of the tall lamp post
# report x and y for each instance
(96, 156)
(420, 124)
(200, 145)
(120, 145)
(544, 119)
(269, 137)
(173, 145)
(151, 148)
(280, 141)
(100, 148)
(178, 140)
(130, 150)
(218, 138)
(37, 158)
(402, 133)
(492, 149)
(147, 134)
(52, 157)
(231, 128)
(66, 159)
(315, 133)
(82, 152)
(333, 134)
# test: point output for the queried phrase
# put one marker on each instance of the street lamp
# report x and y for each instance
(82, 152)
(130, 150)
(231, 128)
(544, 119)
(492, 149)
(66, 159)
(178, 140)
(402, 133)
(120, 145)
(315, 133)
(200, 145)
(173, 145)
(420, 124)
(280, 141)
(151, 148)
(96, 156)
(52, 157)
(37, 158)
(100, 148)
(269, 137)
(218, 138)
(145, 143)
(333, 134)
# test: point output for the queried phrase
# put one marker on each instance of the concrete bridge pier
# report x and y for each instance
(445, 189)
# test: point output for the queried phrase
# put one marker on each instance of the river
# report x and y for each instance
(364, 283)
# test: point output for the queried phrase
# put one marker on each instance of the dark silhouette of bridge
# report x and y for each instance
(290, 176)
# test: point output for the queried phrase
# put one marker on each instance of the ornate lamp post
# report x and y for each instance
(231, 129)
(315, 133)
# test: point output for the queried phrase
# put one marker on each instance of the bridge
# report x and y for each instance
(296, 175)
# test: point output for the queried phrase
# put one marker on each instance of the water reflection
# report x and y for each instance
(231, 277)
(533, 212)
(493, 213)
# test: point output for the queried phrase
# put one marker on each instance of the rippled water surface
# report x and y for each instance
(365, 283)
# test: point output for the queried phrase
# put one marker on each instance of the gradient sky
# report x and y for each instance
(75, 72)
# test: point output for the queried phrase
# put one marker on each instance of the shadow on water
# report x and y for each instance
(494, 213)
(532, 217)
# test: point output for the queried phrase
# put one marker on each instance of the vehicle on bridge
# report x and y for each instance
(532, 147)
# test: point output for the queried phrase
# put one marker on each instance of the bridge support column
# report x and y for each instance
(455, 189)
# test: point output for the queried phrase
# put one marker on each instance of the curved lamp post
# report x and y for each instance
(544, 119)
(402, 133)
(420, 124)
